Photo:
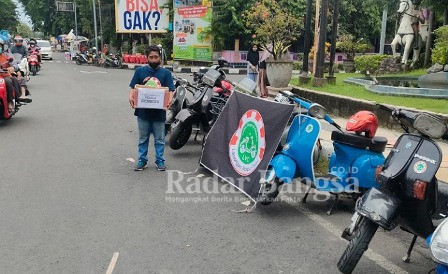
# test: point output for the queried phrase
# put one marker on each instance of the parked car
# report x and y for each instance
(45, 49)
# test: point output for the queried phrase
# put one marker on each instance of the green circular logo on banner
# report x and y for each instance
(247, 146)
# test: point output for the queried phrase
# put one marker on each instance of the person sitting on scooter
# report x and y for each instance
(34, 49)
(12, 83)
(19, 47)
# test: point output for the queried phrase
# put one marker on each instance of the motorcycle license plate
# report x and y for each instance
(282, 99)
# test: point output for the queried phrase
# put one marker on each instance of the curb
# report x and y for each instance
(189, 69)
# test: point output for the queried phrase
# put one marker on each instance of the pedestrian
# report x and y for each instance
(262, 78)
(163, 52)
(151, 120)
(253, 57)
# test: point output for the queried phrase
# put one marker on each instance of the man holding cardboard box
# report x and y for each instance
(150, 104)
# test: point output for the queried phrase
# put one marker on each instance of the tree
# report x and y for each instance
(8, 15)
(24, 30)
(361, 18)
(273, 24)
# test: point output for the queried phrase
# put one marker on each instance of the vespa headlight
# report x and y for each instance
(439, 243)
(430, 125)
(317, 111)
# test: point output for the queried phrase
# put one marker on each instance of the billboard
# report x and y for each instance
(192, 40)
(141, 16)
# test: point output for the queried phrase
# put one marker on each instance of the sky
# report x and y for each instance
(21, 12)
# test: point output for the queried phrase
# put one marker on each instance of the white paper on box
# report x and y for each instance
(150, 98)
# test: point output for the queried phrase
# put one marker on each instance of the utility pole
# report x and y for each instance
(76, 21)
(304, 78)
(316, 34)
(101, 24)
(94, 22)
(319, 79)
(383, 31)
(429, 39)
(334, 36)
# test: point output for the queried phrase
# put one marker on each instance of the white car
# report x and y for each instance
(45, 49)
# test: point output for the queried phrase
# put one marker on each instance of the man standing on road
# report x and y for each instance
(151, 120)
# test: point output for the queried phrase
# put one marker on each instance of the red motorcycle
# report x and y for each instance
(33, 62)
(4, 110)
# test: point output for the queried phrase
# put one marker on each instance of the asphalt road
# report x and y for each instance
(69, 198)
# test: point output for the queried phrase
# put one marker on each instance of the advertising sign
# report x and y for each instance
(141, 16)
(192, 40)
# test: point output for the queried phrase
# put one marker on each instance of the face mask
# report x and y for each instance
(154, 65)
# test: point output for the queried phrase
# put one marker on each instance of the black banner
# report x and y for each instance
(244, 139)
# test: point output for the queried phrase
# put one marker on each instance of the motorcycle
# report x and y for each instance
(206, 106)
(180, 100)
(407, 195)
(23, 66)
(352, 165)
(197, 76)
(86, 58)
(438, 242)
(33, 63)
(112, 61)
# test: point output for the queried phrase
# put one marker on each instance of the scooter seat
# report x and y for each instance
(376, 144)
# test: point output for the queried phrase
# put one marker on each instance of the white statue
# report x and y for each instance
(408, 34)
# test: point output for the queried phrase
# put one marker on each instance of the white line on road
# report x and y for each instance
(113, 261)
(372, 255)
(50, 61)
(58, 61)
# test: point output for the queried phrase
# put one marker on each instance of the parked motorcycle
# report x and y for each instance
(112, 61)
(438, 244)
(33, 63)
(407, 195)
(180, 100)
(352, 166)
(88, 57)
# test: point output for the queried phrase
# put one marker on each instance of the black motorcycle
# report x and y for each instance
(198, 113)
(408, 196)
(180, 100)
(112, 61)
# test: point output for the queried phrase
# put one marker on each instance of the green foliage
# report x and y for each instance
(142, 48)
(440, 52)
(369, 63)
(8, 16)
(298, 65)
(273, 25)
(24, 30)
(362, 18)
(347, 44)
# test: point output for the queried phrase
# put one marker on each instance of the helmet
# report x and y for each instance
(32, 42)
(18, 39)
(363, 121)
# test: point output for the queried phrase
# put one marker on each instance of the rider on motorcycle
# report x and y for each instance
(12, 83)
(19, 47)
(34, 49)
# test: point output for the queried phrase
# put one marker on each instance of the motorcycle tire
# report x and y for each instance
(267, 195)
(78, 62)
(180, 134)
(357, 246)
(33, 71)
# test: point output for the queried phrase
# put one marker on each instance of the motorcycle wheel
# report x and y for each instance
(78, 62)
(180, 134)
(33, 71)
(270, 191)
(357, 246)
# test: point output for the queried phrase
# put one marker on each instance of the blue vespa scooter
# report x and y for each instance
(352, 166)
(438, 242)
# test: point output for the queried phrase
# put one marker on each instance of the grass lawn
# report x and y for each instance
(356, 91)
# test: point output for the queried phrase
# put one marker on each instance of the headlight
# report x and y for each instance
(439, 243)
(317, 111)
(210, 77)
(430, 125)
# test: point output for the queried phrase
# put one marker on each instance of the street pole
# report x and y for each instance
(429, 39)
(76, 21)
(319, 79)
(316, 34)
(306, 46)
(101, 24)
(383, 31)
(334, 36)
(94, 22)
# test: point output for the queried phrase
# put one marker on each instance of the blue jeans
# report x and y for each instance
(145, 127)
(252, 76)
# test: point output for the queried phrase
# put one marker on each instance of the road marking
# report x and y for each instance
(113, 261)
(66, 62)
(50, 61)
(96, 71)
(58, 61)
(372, 255)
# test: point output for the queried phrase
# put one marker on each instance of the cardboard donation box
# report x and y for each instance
(152, 98)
